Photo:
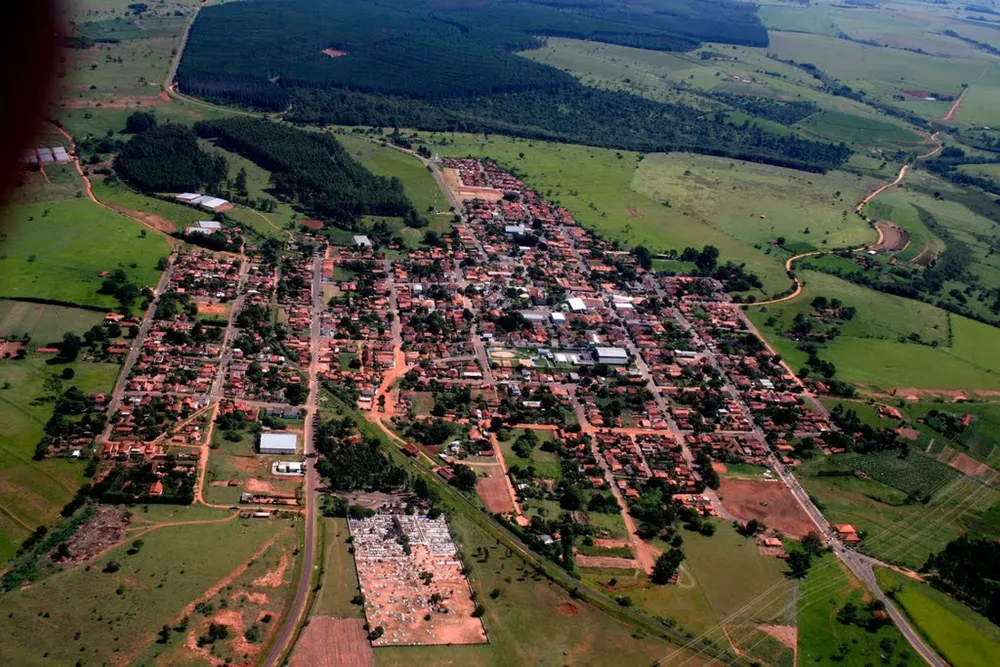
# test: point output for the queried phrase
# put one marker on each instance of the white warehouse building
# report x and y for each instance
(282, 444)
(616, 356)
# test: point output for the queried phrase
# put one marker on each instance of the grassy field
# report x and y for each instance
(895, 531)
(959, 634)
(546, 463)
(32, 492)
(532, 621)
(56, 251)
(825, 591)
(340, 579)
(860, 131)
(868, 350)
(86, 613)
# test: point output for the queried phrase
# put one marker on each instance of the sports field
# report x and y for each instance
(963, 637)
(56, 251)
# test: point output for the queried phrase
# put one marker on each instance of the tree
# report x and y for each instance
(812, 544)
(112, 567)
(820, 303)
(67, 374)
(667, 564)
(465, 478)
(139, 121)
(241, 182)
(799, 563)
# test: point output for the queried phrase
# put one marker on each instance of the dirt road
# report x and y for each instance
(955, 106)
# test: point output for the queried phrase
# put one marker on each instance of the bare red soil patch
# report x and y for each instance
(275, 577)
(494, 492)
(769, 502)
(211, 308)
(333, 642)
(926, 255)
(9, 349)
(633, 212)
(607, 562)
(312, 224)
(786, 634)
(967, 465)
(255, 485)
(917, 93)
(334, 53)
(567, 609)
(719, 467)
(893, 236)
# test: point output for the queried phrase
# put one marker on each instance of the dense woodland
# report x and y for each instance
(578, 115)
(310, 170)
(429, 50)
(167, 159)
(413, 64)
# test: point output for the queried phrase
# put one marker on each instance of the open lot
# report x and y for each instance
(239, 462)
(340, 578)
(333, 642)
(769, 502)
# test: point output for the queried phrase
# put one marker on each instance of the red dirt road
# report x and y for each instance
(956, 106)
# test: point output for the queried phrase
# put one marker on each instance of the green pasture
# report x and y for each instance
(963, 637)
(44, 323)
(419, 183)
(57, 251)
(861, 132)
(35, 491)
(823, 593)
(116, 192)
(340, 578)
(249, 599)
(574, 633)
(84, 612)
(868, 350)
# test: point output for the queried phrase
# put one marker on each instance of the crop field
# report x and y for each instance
(56, 251)
(958, 633)
(825, 591)
(85, 611)
(32, 492)
(914, 473)
(526, 603)
(897, 532)
(868, 350)
(340, 578)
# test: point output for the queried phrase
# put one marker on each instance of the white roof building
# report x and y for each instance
(188, 197)
(204, 227)
(611, 355)
(210, 203)
(363, 241)
(278, 443)
(576, 304)
(558, 318)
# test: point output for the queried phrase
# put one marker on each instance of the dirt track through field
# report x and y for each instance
(956, 106)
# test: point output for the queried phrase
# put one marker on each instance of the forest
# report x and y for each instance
(578, 115)
(429, 50)
(167, 159)
(310, 170)
(455, 67)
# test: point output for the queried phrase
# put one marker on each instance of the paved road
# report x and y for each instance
(296, 614)
(118, 393)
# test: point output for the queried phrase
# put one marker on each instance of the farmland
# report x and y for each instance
(874, 348)
(42, 260)
(115, 615)
(894, 530)
(340, 580)
(34, 491)
(962, 636)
